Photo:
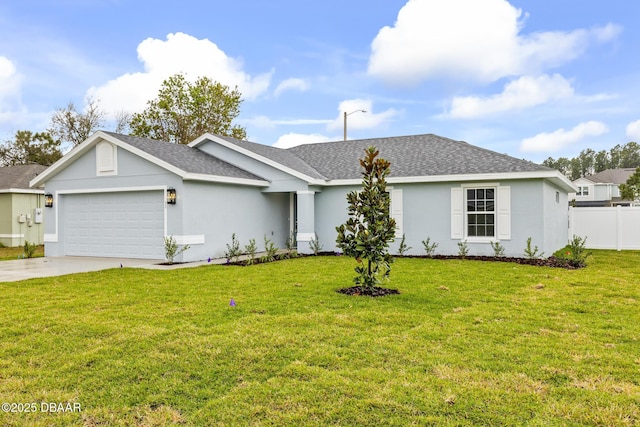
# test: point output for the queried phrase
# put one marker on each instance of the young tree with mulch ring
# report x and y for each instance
(369, 230)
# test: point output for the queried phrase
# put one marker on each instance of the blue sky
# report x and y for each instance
(529, 78)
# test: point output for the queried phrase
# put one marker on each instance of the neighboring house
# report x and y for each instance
(20, 206)
(601, 189)
(113, 195)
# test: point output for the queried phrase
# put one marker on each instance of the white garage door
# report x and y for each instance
(126, 225)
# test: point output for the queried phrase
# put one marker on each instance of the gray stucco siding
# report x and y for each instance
(279, 180)
(556, 207)
(426, 213)
(133, 171)
(80, 177)
(216, 211)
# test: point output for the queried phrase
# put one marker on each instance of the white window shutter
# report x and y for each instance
(396, 210)
(457, 213)
(504, 213)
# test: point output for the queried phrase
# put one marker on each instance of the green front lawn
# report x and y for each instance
(18, 252)
(466, 343)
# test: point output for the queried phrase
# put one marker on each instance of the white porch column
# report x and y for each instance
(306, 221)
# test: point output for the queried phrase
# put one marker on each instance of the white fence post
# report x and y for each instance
(619, 228)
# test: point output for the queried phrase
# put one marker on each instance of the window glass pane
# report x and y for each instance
(471, 194)
(480, 212)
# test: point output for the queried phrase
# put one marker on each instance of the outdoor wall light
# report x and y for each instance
(171, 196)
(48, 200)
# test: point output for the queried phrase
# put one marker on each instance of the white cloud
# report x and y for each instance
(292, 139)
(561, 138)
(518, 94)
(291, 84)
(473, 39)
(265, 122)
(633, 131)
(179, 53)
(360, 120)
(9, 81)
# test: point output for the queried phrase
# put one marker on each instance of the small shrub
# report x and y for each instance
(463, 249)
(29, 249)
(2, 245)
(575, 252)
(233, 251)
(171, 249)
(270, 249)
(498, 249)
(403, 246)
(315, 245)
(291, 246)
(251, 250)
(578, 252)
(429, 248)
(532, 253)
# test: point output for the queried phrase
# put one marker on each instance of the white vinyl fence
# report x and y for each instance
(606, 228)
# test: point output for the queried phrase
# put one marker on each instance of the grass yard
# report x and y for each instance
(16, 252)
(466, 343)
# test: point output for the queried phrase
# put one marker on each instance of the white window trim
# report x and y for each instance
(482, 239)
(502, 213)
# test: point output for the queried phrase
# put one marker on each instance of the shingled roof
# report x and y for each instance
(418, 155)
(284, 157)
(410, 156)
(18, 177)
(612, 176)
(185, 158)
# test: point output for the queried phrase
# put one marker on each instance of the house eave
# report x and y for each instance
(554, 176)
(21, 191)
(257, 157)
(102, 136)
(225, 180)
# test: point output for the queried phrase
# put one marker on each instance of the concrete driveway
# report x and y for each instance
(21, 269)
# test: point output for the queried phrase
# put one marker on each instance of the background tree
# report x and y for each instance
(29, 148)
(631, 190)
(369, 229)
(73, 127)
(183, 111)
(589, 162)
(602, 161)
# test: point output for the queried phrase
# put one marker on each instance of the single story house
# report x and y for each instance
(601, 189)
(21, 212)
(119, 196)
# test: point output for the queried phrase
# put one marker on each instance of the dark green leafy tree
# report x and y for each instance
(30, 148)
(631, 190)
(589, 162)
(369, 230)
(183, 111)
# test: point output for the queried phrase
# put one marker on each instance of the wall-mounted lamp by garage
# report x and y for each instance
(48, 200)
(171, 196)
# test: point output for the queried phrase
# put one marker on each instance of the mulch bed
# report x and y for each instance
(369, 292)
(540, 262)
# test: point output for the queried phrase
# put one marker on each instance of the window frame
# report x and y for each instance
(481, 201)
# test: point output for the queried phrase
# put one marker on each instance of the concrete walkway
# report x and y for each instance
(22, 269)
